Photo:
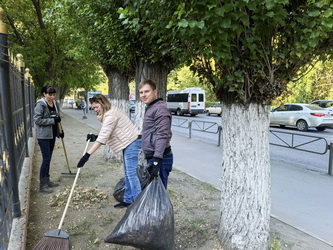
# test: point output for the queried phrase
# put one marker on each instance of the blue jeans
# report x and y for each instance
(46, 147)
(132, 182)
(165, 167)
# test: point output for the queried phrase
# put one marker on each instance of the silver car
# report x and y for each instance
(214, 109)
(301, 115)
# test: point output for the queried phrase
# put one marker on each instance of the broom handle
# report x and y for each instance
(72, 190)
(63, 145)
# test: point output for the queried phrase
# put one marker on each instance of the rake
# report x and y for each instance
(58, 239)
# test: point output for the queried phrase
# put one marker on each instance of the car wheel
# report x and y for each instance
(207, 113)
(302, 125)
(178, 112)
(320, 128)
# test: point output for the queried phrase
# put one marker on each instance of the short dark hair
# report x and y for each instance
(48, 90)
(150, 82)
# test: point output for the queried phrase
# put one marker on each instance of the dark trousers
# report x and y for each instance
(46, 147)
(165, 167)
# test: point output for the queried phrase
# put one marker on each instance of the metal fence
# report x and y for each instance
(290, 140)
(16, 111)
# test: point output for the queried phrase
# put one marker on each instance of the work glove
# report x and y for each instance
(62, 134)
(56, 118)
(91, 137)
(154, 167)
(83, 160)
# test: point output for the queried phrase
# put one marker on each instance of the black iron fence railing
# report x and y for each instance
(16, 125)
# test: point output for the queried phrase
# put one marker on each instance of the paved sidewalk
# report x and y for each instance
(301, 199)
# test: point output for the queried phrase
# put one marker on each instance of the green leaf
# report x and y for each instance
(270, 14)
(328, 23)
(314, 13)
(313, 42)
(183, 23)
(201, 24)
(327, 13)
(226, 23)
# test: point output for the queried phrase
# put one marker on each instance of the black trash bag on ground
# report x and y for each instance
(148, 222)
(119, 189)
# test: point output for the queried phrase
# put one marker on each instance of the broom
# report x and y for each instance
(58, 239)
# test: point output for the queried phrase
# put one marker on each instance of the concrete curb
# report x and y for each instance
(18, 233)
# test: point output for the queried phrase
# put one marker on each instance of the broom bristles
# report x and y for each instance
(52, 243)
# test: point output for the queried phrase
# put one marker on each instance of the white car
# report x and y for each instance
(301, 115)
(214, 110)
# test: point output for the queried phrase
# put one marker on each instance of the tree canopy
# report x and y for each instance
(250, 50)
(50, 47)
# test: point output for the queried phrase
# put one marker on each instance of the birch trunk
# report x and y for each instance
(119, 97)
(144, 71)
(245, 201)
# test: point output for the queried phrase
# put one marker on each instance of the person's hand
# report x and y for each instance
(83, 160)
(154, 167)
(62, 134)
(91, 137)
(56, 118)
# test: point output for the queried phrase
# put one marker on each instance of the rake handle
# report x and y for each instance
(63, 145)
(72, 191)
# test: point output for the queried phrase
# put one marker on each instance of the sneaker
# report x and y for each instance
(45, 189)
(122, 205)
(51, 184)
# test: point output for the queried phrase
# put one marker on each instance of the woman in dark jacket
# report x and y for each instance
(46, 118)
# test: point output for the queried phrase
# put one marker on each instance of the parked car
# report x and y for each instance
(326, 104)
(301, 115)
(214, 109)
(132, 106)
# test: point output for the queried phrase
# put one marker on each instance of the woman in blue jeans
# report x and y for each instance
(46, 118)
(121, 135)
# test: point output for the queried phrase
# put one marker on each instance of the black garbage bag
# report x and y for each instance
(148, 222)
(119, 189)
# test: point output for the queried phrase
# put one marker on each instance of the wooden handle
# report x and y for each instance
(72, 190)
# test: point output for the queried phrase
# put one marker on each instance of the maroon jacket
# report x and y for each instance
(156, 129)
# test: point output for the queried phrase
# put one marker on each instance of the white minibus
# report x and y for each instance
(187, 101)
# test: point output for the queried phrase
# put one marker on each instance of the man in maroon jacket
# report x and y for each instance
(156, 132)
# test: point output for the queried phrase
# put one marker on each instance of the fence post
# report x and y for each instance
(190, 129)
(219, 129)
(31, 104)
(330, 160)
(5, 91)
(24, 106)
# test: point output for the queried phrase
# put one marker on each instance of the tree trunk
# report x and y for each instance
(119, 97)
(245, 203)
(144, 71)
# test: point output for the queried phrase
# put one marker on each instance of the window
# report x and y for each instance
(201, 97)
(295, 108)
(177, 97)
(193, 97)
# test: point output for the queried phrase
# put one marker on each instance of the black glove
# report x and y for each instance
(92, 137)
(154, 167)
(62, 135)
(56, 118)
(83, 160)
